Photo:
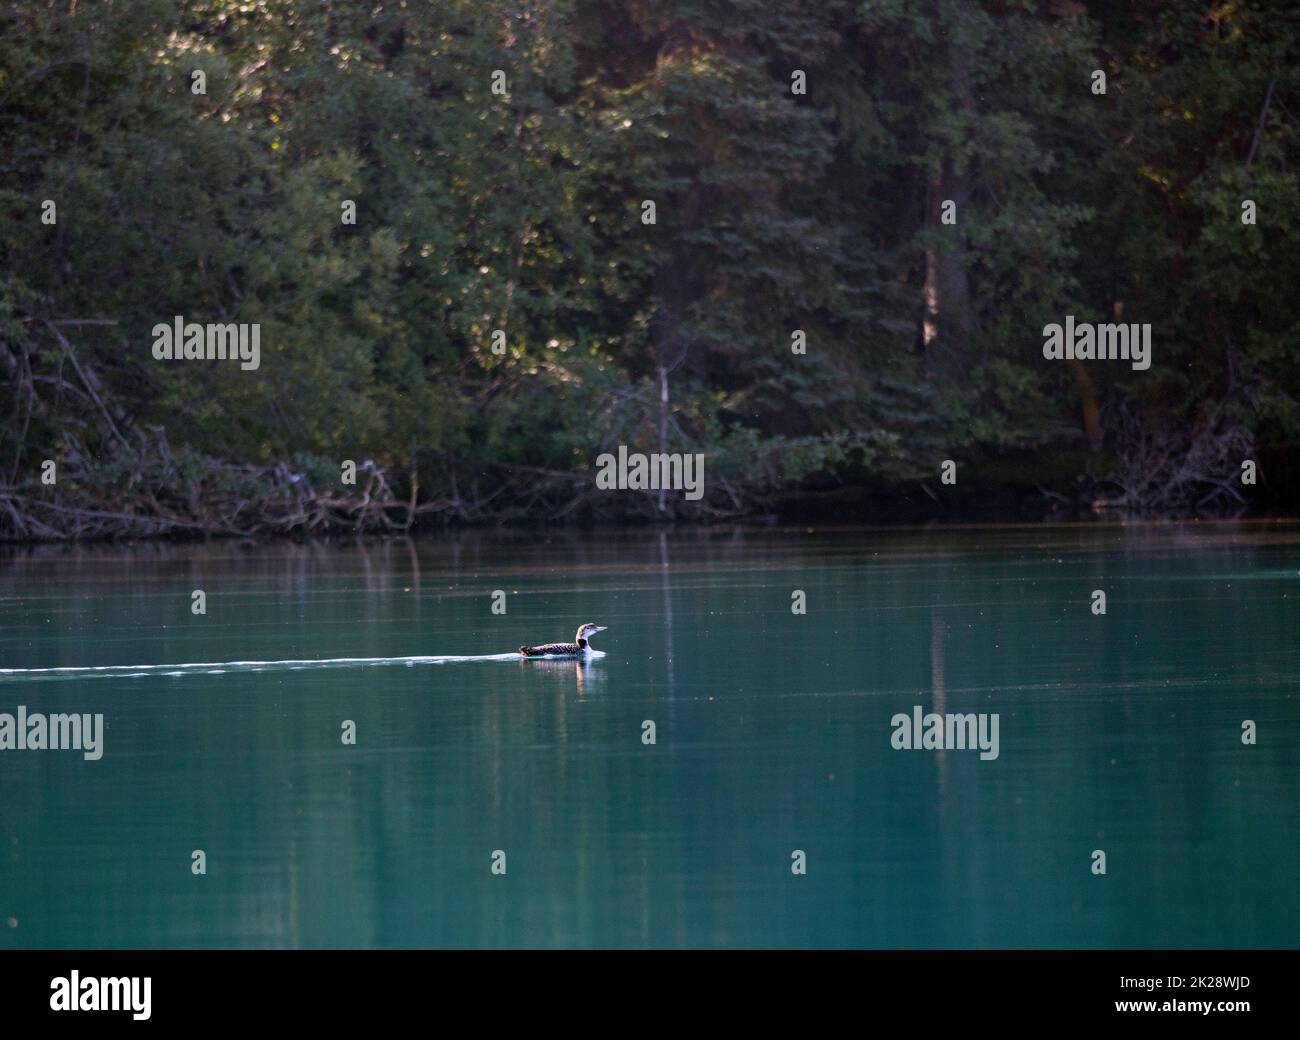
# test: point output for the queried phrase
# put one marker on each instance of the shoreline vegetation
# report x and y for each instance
(469, 248)
(180, 496)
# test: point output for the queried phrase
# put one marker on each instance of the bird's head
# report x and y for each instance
(585, 632)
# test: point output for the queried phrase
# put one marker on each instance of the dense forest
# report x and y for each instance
(486, 241)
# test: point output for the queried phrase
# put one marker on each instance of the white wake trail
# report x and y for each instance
(139, 671)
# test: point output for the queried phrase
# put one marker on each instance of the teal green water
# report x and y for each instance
(1119, 733)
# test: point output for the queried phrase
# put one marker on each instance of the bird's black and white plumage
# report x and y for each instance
(580, 646)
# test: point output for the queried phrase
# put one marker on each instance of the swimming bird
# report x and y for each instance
(580, 646)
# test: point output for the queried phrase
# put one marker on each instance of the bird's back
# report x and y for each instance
(572, 649)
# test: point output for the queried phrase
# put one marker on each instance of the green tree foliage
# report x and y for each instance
(519, 209)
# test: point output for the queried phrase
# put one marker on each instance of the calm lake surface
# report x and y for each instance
(1120, 733)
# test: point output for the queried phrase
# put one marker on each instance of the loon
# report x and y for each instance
(580, 646)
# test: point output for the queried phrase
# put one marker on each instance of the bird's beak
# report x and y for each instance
(600, 628)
